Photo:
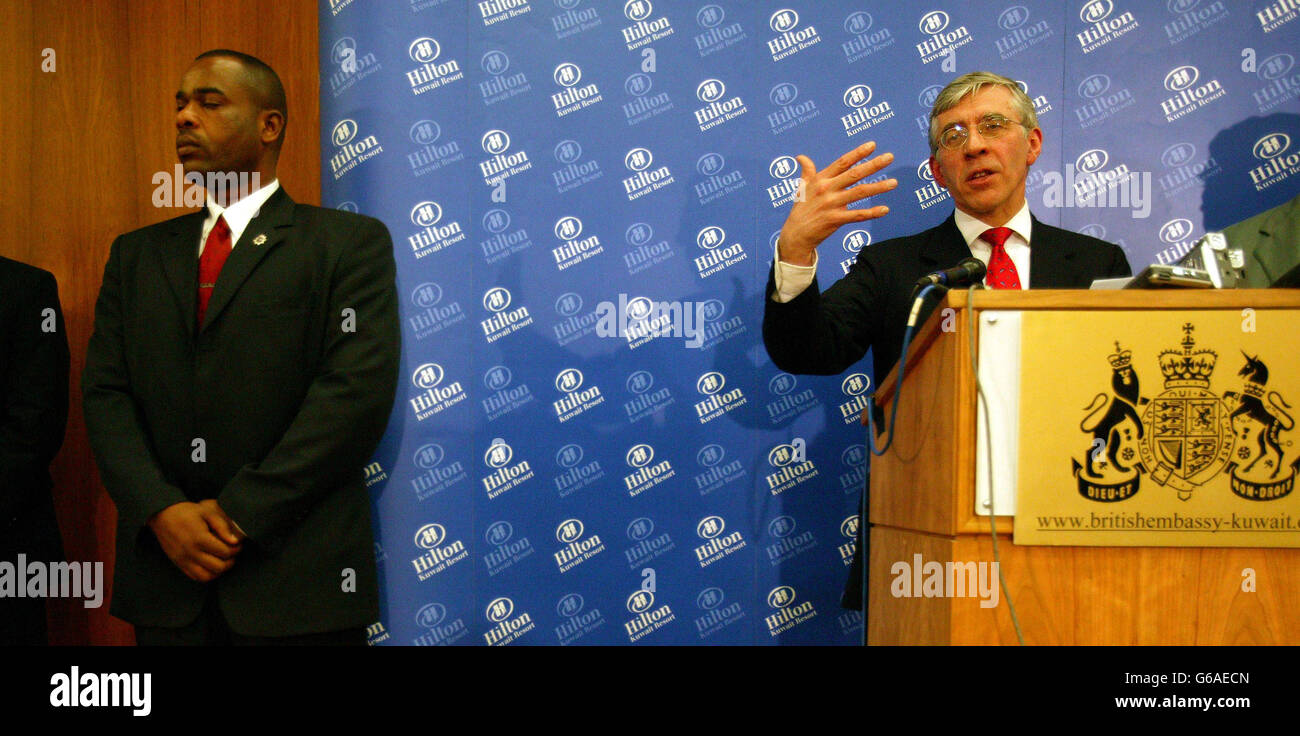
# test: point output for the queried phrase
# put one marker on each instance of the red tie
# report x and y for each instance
(1002, 271)
(215, 251)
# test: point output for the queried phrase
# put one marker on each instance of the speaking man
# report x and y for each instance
(984, 136)
(241, 371)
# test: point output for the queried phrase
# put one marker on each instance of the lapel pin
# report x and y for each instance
(261, 238)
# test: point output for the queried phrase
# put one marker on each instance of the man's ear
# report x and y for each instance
(937, 173)
(270, 126)
(1035, 145)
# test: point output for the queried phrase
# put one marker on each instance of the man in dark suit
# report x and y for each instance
(33, 415)
(1271, 242)
(241, 372)
(984, 136)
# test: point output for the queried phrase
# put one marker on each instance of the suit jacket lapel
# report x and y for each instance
(1049, 258)
(274, 221)
(945, 248)
(180, 260)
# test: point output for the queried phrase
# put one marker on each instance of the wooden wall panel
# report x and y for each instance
(82, 146)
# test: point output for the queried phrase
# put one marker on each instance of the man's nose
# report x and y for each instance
(185, 116)
(975, 143)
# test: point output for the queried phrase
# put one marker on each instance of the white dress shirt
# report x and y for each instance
(237, 215)
(791, 280)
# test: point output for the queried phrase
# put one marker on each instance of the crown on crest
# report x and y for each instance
(1121, 358)
(1190, 367)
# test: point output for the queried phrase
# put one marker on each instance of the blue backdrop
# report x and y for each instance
(590, 444)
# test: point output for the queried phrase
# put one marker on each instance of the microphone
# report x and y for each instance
(969, 271)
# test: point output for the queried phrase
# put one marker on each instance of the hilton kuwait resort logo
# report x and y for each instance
(718, 108)
(717, 402)
(717, 34)
(577, 548)
(647, 618)
(788, 112)
(431, 73)
(786, 172)
(644, 179)
(865, 38)
(506, 474)
(1282, 82)
(502, 163)
(572, 96)
(506, 626)
(503, 398)
(1187, 435)
(1190, 94)
(495, 11)
(502, 320)
(788, 544)
(792, 468)
(941, 38)
(573, 248)
(575, 621)
(500, 85)
(1102, 24)
(503, 550)
(574, 399)
(848, 530)
(440, 552)
(864, 114)
(1277, 13)
(432, 475)
(1190, 18)
(646, 401)
(645, 28)
(351, 150)
(717, 255)
(716, 616)
(1019, 34)
(573, 19)
(434, 397)
(716, 473)
(352, 67)
(430, 153)
(790, 38)
(1278, 161)
(646, 472)
(433, 234)
(438, 631)
(717, 545)
(575, 474)
(645, 544)
(502, 240)
(788, 614)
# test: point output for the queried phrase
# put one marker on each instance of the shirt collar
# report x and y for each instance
(972, 227)
(239, 214)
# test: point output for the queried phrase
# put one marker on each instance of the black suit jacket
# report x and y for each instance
(272, 407)
(825, 333)
(33, 409)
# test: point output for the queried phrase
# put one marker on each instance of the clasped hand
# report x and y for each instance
(198, 538)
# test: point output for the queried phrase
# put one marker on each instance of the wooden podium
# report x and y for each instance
(923, 497)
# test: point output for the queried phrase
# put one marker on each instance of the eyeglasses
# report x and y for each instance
(954, 136)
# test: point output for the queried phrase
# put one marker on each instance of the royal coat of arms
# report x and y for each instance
(1187, 435)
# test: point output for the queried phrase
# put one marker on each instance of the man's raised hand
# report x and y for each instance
(822, 204)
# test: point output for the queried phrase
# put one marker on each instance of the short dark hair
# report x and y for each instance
(261, 79)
